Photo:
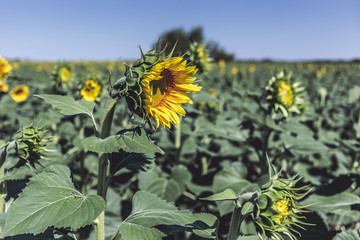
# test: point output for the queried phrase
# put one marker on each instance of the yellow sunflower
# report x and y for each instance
(164, 89)
(20, 93)
(3, 86)
(64, 74)
(5, 67)
(90, 90)
(285, 93)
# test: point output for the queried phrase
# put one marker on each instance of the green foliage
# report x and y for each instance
(50, 199)
(152, 218)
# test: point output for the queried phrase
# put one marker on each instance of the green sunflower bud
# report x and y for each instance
(285, 94)
(31, 143)
(278, 207)
(199, 56)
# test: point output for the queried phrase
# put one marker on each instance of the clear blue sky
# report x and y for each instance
(112, 30)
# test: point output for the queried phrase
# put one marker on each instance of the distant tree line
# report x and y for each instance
(183, 40)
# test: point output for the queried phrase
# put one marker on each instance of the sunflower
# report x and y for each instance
(3, 86)
(5, 67)
(164, 89)
(199, 56)
(20, 93)
(284, 94)
(90, 90)
(64, 74)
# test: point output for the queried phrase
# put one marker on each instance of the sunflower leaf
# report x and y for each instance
(50, 199)
(153, 218)
(134, 140)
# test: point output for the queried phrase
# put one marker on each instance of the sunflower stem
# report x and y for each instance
(178, 136)
(103, 164)
(236, 220)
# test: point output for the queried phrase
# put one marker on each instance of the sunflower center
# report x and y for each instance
(160, 88)
(19, 91)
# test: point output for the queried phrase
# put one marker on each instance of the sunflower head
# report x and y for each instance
(284, 94)
(5, 68)
(62, 75)
(20, 93)
(156, 85)
(3, 86)
(90, 90)
(278, 209)
(199, 55)
(31, 143)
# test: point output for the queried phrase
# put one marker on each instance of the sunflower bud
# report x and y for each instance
(284, 94)
(155, 85)
(278, 209)
(199, 56)
(31, 143)
(62, 75)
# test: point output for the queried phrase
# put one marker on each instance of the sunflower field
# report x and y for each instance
(179, 147)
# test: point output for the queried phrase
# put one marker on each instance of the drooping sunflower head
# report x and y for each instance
(278, 209)
(20, 93)
(284, 94)
(199, 56)
(156, 85)
(90, 90)
(5, 68)
(3, 86)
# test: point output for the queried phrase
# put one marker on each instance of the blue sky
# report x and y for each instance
(113, 30)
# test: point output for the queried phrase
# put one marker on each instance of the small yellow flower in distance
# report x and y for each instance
(252, 68)
(20, 93)
(234, 70)
(64, 74)
(39, 68)
(3, 86)
(222, 63)
(212, 92)
(5, 67)
(90, 90)
(165, 87)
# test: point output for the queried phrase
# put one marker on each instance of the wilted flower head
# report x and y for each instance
(199, 55)
(284, 94)
(278, 209)
(5, 68)
(90, 90)
(31, 143)
(20, 93)
(156, 85)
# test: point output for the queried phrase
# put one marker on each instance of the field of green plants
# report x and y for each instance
(100, 150)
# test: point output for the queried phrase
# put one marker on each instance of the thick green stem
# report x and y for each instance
(103, 164)
(178, 136)
(236, 220)
(100, 227)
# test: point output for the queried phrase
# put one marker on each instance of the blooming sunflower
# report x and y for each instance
(3, 86)
(284, 94)
(90, 90)
(5, 67)
(20, 93)
(164, 89)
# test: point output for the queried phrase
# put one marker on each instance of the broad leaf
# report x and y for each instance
(227, 194)
(50, 199)
(347, 235)
(68, 106)
(152, 219)
(134, 140)
(331, 203)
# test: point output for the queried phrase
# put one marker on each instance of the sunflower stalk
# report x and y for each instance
(3, 154)
(99, 223)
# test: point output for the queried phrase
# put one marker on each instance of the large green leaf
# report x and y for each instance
(68, 105)
(133, 140)
(50, 199)
(347, 235)
(225, 195)
(152, 219)
(331, 203)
